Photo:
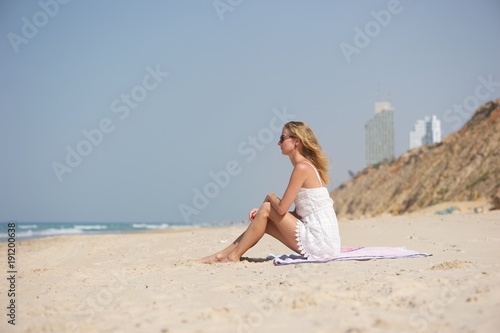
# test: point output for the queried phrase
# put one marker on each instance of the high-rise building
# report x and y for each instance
(379, 134)
(426, 131)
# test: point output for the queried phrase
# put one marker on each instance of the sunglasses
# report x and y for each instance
(284, 137)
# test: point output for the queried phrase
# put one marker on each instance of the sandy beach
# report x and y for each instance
(147, 282)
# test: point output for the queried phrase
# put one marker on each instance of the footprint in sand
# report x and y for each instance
(455, 264)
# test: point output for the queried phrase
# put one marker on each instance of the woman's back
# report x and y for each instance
(317, 230)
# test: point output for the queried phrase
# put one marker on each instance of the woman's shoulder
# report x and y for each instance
(302, 168)
(305, 166)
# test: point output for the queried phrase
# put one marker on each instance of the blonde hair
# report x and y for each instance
(310, 147)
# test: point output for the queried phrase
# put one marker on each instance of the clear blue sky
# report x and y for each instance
(170, 91)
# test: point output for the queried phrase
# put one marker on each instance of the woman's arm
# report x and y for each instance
(297, 179)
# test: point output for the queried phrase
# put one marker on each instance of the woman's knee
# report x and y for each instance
(265, 209)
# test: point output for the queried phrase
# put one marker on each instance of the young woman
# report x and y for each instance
(312, 228)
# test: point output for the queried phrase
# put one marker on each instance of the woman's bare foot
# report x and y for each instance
(216, 258)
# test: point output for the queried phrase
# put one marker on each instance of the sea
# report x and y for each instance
(29, 230)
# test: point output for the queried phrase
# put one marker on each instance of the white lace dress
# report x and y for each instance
(317, 231)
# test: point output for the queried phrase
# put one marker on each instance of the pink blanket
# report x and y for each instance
(352, 253)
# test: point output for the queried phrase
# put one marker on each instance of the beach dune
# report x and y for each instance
(148, 282)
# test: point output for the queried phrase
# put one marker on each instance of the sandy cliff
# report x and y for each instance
(464, 166)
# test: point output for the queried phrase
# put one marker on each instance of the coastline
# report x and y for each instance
(34, 230)
(148, 281)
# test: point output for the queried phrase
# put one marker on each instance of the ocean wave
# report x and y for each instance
(46, 229)
(91, 227)
(150, 226)
(27, 226)
(45, 233)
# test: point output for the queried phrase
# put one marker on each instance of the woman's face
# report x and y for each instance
(286, 142)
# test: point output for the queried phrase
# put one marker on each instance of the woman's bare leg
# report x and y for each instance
(254, 232)
(267, 220)
(287, 239)
(219, 256)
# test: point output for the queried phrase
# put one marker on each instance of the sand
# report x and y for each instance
(147, 282)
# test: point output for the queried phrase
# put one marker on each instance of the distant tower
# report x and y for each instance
(426, 132)
(379, 134)
(418, 134)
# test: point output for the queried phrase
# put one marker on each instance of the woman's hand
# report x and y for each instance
(252, 214)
